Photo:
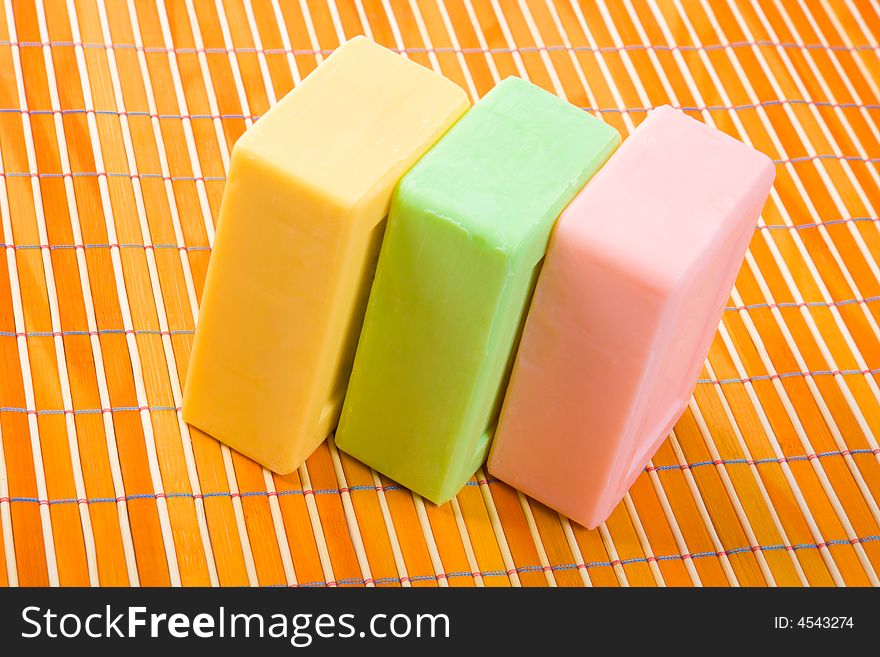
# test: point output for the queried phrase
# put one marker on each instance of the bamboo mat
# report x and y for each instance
(116, 122)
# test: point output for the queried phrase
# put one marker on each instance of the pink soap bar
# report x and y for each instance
(637, 274)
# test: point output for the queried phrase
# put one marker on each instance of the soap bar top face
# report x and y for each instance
(669, 196)
(636, 277)
(468, 226)
(363, 113)
(511, 164)
(301, 223)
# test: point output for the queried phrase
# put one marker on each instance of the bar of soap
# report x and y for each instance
(636, 277)
(468, 228)
(301, 222)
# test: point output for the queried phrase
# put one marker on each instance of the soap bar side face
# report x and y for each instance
(637, 274)
(252, 300)
(573, 372)
(430, 273)
(468, 226)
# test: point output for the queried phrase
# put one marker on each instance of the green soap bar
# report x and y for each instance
(467, 231)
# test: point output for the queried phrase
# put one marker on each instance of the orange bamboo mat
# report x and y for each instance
(116, 122)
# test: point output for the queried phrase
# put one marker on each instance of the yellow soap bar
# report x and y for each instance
(300, 227)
